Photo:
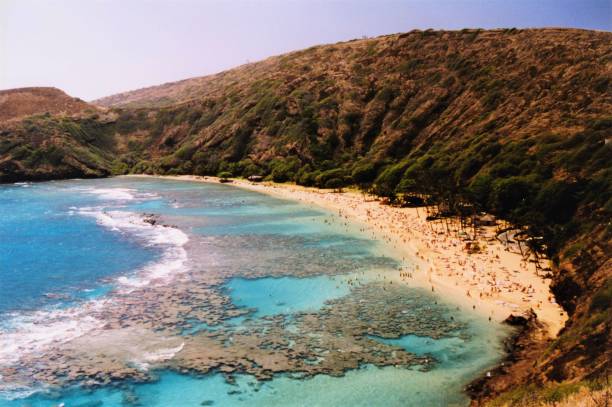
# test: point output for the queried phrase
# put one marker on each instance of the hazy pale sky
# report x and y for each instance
(94, 48)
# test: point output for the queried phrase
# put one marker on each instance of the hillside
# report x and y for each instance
(384, 98)
(44, 135)
(514, 122)
(17, 103)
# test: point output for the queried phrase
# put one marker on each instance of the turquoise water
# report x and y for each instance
(440, 348)
(285, 295)
(70, 241)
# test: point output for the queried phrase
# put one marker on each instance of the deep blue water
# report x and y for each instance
(56, 249)
(47, 249)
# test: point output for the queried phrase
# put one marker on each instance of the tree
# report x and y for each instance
(364, 173)
(479, 190)
(225, 175)
(386, 183)
(283, 170)
(512, 194)
(557, 201)
(336, 173)
(334, 183)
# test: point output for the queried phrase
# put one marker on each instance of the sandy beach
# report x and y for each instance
(495, 281)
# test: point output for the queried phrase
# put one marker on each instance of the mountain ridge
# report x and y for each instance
(138, 97)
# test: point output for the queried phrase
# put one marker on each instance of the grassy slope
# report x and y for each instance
(513, 121)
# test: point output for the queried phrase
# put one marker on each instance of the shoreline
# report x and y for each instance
(494, 282)
(403, 233)
(140, 329)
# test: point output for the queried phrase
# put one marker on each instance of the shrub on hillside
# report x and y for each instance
(364, 173)
(284, 169)
(224, 175)
(334, 183)
(386, 183)
(512, 195)
(340, 176)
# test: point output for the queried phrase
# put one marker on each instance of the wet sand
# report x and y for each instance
(495, 282)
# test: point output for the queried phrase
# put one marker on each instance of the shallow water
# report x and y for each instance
(285, 295)
(82, 241)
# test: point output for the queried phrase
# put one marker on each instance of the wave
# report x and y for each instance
(169, 239)
(32, 333)
(158, 356)
(112, 194)
(116, 194)
(13, 391)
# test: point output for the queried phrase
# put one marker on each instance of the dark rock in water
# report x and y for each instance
(150, 218)
(130, 398)
(516, 320)
(230, 379)
(262, 347)
(207, 403)
(520, 320)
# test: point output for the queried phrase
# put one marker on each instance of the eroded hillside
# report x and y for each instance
(18, 103)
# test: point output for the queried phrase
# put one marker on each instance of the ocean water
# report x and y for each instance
(67, 247)
(285, 295)
(48, 252)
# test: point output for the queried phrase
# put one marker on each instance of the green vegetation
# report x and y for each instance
(224, 175)
(465, 121)
(48, 147)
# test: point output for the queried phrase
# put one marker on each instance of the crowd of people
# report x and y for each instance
(434, 253)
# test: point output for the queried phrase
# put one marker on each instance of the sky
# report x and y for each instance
(95, 48)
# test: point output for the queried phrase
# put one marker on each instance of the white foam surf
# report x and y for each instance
(31, 333)
(25, 334)
(116, 194)
(112, 194)
(155, 357)
(169, 240)
(14, 391)
(34, 332)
